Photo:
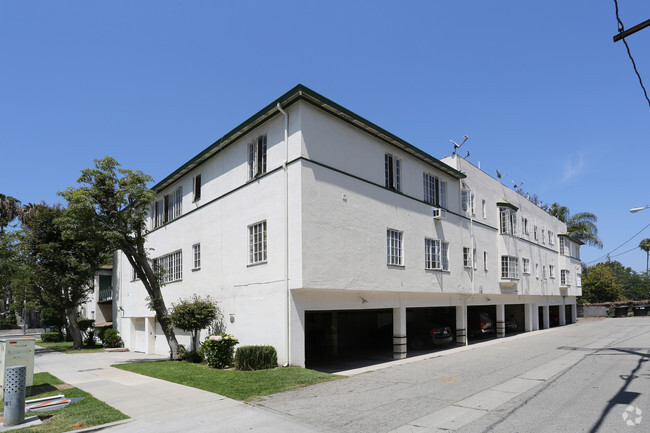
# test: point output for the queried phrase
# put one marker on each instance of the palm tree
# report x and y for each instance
(9, 209)
(645, 246)
(581, 226)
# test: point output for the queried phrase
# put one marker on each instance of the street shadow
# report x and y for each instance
(622, 396)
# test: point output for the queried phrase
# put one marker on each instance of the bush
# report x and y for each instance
(52, 317)
(217, 350)
(188, 355)
(256, 358)
(100, 330)
(112, 338)
(51, 337)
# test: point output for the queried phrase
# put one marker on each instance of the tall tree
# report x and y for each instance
(600, 285)
(645, 246)
(112, 205)
(581, 226)
(9, 209)
(61, 267)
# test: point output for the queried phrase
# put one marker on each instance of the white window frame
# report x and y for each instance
(565, 277)
(551, 237)
(485, 261)
(168, 208)
(435, 190)
(392, 172)
(467, 200)
(196, 256)
(436, 255)
(551, 271)
(394, 247)
(509, 268)
(543, 236)
(507, 221)
(484, 205)
(171, 266)
(525, 265)
(537, 270)
(467, 257)
(474, 264)
(257, 243)
(196, 186)
(543, 272)
(578, 279)
(257, 157)
(565, 247)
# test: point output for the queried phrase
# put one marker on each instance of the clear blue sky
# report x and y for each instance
(540, 88)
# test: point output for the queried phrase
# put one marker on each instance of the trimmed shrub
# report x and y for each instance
(217, 350)
(256, 358)
(188, 355)
(51, 337)
(112, 338)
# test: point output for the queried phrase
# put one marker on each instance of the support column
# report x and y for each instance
(562, 314)
(530, 318)
(501, 320)
(545, 316)
(399, 333)
(574, 313)
(461, 325)
(150, 331)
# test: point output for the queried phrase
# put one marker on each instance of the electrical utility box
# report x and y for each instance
(17, 351)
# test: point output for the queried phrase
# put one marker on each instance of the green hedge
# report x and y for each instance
(51, 337)
(256, 358)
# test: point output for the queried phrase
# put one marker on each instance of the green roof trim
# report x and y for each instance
(566, 235)
(503, 203)
(302, 93)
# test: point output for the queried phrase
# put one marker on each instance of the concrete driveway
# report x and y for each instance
(468, 388)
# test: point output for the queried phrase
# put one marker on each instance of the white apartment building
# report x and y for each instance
(323, 235)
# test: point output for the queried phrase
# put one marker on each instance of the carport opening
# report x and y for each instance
(568, 314)
(429, 328)
(554, 315)
(347, 336)
(481, 321)
(540, 317)
(515, 318)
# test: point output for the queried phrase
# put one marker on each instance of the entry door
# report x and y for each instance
(140, 336)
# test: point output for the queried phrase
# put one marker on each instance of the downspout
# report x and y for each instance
(286, 227)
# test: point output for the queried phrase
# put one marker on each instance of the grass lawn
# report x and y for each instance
(239, 385)
(85, 413)
(66, 346)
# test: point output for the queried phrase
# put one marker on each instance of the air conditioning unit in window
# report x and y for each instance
(439, 214)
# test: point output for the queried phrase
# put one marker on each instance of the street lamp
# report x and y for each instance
(636, 209)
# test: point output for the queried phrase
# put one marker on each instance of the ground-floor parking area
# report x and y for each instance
(336, 337)
(589, 376)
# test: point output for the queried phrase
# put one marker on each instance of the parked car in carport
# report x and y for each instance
(481, 324)
(424, 336)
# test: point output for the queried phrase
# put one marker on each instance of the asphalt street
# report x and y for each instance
(591, 377)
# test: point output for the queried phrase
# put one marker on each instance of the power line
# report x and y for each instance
(608, 254)
(621, 29)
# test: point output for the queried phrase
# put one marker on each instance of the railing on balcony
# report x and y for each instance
(106, 294)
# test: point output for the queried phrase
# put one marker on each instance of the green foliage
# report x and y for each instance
(112, 338)
(52, 317)
(581, 226)
(51, 337)
(600, 285)
(188, 355)
(256, 358)
(634, 286)
(194, 314)
(240, 385)
(217, 351)
(85, 324)
(9, 209)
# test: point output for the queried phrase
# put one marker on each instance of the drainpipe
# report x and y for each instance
(286, 226)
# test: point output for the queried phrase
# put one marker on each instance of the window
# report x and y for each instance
(565, 277)
(392, 166)
(196, 256)
(484, 210)
(537, 270)
(543, 236)
(579, 280)
(535, 232)
(543, 272)
(257, 243)
(509, 268)
(257, 157)
(551, 237)
(394, 247)
(171, 266)
(467, 258)
(474, 258)
(168, 208)
(508, 221)
(197, 187)
(525, 265)
(551, 271)
(485, 267)
(467, 200)
(564, 247)
(134, 274)
(435, 190)
(524, 226)
(436, 255)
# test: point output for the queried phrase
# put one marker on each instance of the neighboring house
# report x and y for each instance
(322, 234)
(100, 305)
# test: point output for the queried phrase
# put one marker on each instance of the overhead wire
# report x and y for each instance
(609, 253)
(621, 28)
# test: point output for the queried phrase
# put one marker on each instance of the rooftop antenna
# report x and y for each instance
(520, 183)
(499, 175)
(456, 145)
(466, 156)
